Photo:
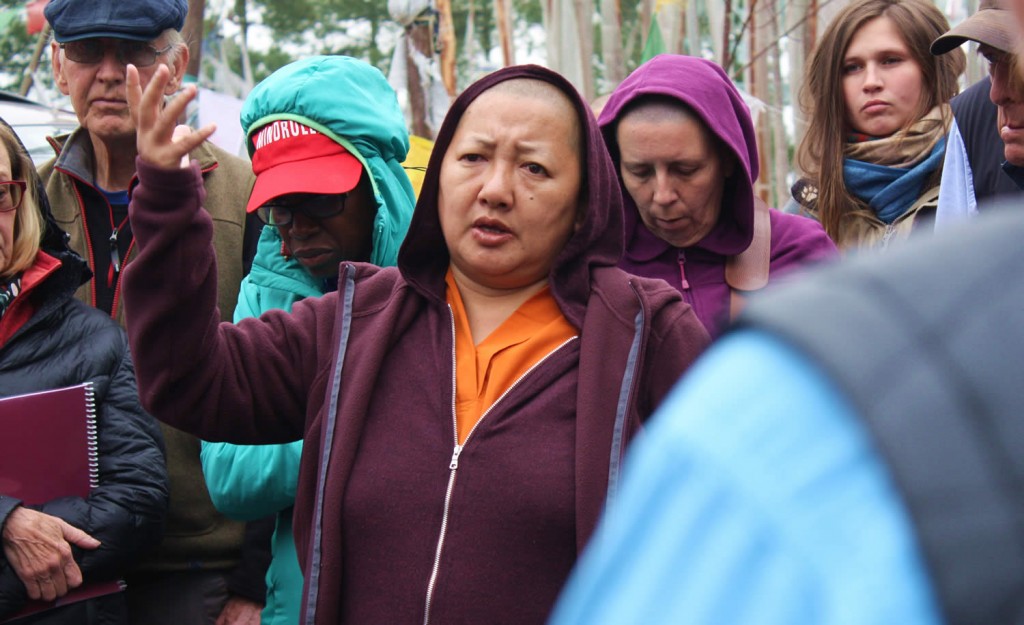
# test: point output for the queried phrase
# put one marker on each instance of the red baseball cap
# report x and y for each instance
(293, 158)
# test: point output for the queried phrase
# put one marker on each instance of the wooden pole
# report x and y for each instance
(37, 54)
(504, 22)
(192, 32)
(447, 45)
(759, 83)
(242, 12)
(811, 29)
(779, 191)
(419, 37)
(798, 17)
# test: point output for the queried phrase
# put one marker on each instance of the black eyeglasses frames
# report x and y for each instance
(280, 211)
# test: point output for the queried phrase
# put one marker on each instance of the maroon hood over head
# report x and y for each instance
(423, 259)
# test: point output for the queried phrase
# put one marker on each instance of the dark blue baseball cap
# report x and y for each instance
(140, 20)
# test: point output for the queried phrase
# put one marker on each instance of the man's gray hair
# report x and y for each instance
(173, 38)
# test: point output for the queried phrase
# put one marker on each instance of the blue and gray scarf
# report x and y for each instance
(891, 191)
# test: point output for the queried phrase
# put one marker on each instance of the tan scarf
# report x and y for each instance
(905, 147)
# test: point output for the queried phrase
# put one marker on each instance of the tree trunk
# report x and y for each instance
(41, 40)
(447, 45)
(780, 143)
(584, 11)
(193, 35)
(503, 17)
(242, 13)
(760, 36)
(727, 36)
(611, 42)
(670, 19)
(565, 51)
(811, 29)
(418, 33)
(469, 47)
(797, 49)
(714, 12)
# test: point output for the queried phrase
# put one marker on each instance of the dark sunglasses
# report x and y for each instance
(92, 51)
(280, 211)
(11, 194)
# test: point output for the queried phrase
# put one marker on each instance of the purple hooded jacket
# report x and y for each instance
(394, 521)
(706, 89)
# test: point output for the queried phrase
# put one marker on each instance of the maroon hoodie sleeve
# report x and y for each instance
(797, 241)
(248, 383)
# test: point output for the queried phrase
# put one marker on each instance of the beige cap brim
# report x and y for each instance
(993, 27)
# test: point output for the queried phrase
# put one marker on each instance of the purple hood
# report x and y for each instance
(706, 89)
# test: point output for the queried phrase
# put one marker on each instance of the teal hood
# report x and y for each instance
(351, 102)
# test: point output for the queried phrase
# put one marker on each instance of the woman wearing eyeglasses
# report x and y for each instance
(49, 340)
(330, 187)
(207, 567)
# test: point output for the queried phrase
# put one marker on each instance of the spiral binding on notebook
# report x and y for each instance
(91, 438)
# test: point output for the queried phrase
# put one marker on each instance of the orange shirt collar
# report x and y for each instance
(486, 370)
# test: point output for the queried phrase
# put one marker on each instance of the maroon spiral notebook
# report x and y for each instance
(48, 450)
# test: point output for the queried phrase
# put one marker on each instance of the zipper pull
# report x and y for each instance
(115, 256)
(455, 458)
(682, 270)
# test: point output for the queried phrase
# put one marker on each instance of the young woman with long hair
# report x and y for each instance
(877, 105)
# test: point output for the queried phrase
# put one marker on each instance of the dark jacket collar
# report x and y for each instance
(1015, 173)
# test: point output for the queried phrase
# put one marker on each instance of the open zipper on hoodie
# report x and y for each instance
(453, 465)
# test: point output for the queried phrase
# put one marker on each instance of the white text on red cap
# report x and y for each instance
(281, 129)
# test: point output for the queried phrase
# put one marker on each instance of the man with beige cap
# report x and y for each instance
(985, 148)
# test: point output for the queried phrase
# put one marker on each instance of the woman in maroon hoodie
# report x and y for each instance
(686, 152)
(465, 413)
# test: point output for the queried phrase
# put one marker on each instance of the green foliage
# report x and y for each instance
(299, 27)
(529, 11)
(483, 27)
(632, 36)
(265, 63)
(300, 21)
(16, 45)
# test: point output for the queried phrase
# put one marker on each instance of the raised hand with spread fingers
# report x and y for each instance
(161, 140)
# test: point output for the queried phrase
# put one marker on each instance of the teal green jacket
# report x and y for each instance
(254, 481)
(352, 103)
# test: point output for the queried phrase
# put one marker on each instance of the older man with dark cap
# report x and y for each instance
(205, 569)
(985, 149)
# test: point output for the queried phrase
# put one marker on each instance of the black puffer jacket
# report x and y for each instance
(65, 343)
